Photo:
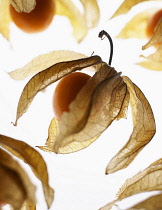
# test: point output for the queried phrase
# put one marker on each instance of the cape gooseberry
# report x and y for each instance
(67, 90)
(153, 22)
(37, 20)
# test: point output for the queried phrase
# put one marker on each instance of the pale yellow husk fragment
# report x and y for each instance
(91, 12)
(44, 61)
(4, 18)
(77, 19)
(153, 61)
(126, 6)
(23, 5)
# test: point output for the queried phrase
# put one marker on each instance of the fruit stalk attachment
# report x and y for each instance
(101, 35)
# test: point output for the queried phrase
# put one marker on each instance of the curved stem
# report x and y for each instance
(101, 35)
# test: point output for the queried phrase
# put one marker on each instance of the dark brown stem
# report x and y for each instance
(101, 35)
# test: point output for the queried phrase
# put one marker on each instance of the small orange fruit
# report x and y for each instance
(153, 22)
(66, 91)
(37, 20)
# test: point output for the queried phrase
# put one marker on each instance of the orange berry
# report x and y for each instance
(153, 22)
(37, 20)
(66, 91)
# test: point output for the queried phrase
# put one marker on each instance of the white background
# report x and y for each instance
(79, 179)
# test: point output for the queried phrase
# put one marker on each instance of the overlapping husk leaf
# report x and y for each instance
(153, 202)
(143, 129)
(30, 156)
(15, 185)
(48, 76)
(91, 113)
(150, 179)
(28, 205)
(103, 99)
(43, 62)
(153, 61)
(126, 6)
(94, 109)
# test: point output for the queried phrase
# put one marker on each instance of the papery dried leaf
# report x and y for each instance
(152, 203)
(91, 11)
(153, 61)
(23, 5)
(34, 160)
(94, 109)
(109, 205)
(53, 128)
(143, 129)
(28, 205)
(148, 64)
(44, 61)
(124, 107)
(78, 21)
(157, 162)
(11, 189)
(136, 27)
(41, 80)
(156, 37)
(15, 185)
(150, 179)
(52, 133)
(71, 147)
(4, 18)
(127, 5)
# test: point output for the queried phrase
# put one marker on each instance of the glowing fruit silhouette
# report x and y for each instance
(66, 91)
(153, 22)
(37, 20)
